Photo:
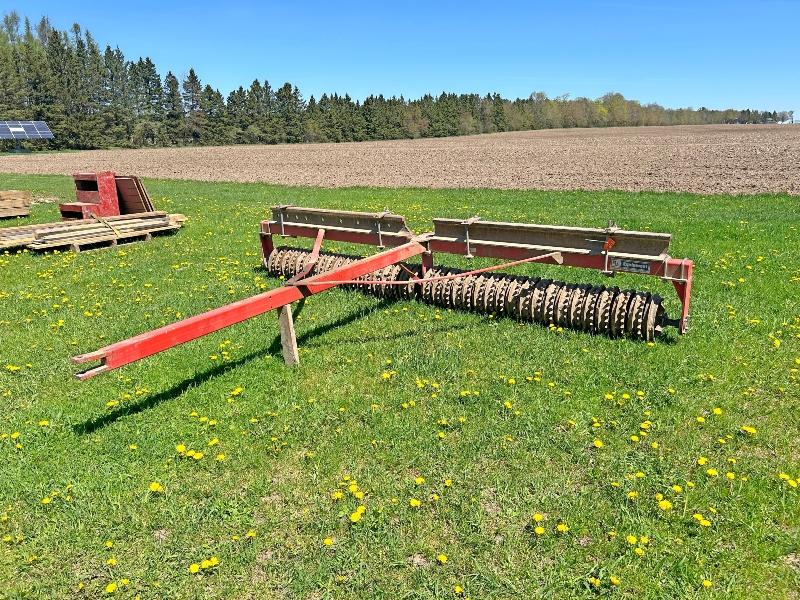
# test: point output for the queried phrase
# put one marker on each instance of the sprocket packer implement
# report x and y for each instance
(583, 307)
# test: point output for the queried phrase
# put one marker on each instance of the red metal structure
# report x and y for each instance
(105, 194)
(608, 250)
(95, 194)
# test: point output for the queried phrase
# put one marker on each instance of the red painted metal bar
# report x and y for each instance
(684, 289)
(554, 255)
(312, 259)
(267, 246)
(152, 342)
(353, 236)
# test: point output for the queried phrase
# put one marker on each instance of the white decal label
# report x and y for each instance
(631, 266)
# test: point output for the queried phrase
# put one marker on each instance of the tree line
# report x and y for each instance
(94, 98)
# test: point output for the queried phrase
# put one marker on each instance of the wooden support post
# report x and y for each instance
(288, 338)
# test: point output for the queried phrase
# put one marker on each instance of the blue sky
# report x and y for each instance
(717, 54)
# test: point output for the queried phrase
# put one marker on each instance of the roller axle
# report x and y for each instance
(593, 309)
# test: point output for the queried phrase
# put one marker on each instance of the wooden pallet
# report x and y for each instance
(15, 203)
(14, 212)
(89, 231)
(95, 242)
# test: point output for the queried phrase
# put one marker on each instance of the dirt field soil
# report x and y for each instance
(729, 159)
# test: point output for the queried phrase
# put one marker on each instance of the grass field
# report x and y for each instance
(452, 430)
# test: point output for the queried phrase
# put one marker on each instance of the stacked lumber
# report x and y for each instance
(15, 203)
(90, 232)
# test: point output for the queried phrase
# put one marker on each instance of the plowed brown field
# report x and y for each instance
(730, 159)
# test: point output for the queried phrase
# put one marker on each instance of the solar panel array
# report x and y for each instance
(25, 130)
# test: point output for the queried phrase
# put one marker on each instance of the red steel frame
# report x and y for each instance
(403, 245)
(152, 342)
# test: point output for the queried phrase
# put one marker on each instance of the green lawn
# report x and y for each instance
(363, 412)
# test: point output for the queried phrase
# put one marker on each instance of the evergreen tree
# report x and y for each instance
(216, 130)
(174, 126)
(191, 106)
(289, 108)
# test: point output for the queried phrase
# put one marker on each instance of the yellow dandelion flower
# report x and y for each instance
(414, 503)
(639, 551)
(47, 500)
(631, 539)
(355, 517)
(598, 443)
(156, 487)
(441, 558)
(538, 530)
(194, 568)
(562, 528)
(712, 472)
(538, 517)
(707, 583)
(665, 505)
(614, 580)
(180, 448)
(702, 460)
(419, 480)
(111, 588)
(749, 430)
(327, 542)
